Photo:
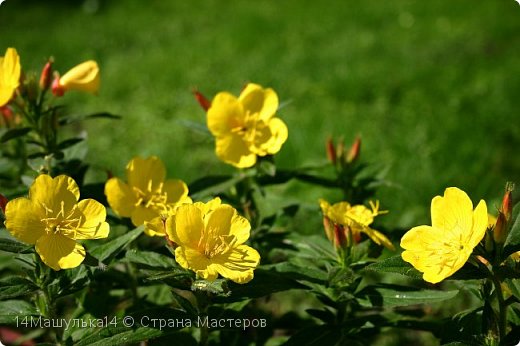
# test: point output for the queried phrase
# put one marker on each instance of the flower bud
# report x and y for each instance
(202, 100)
(353, 153)
(340, 149)
(3, 202)
(331, 150)
(56, 88)
(83, 77)
(340, 236)
(46, 76)
(329, 228)
(507, 201)
(500, 231)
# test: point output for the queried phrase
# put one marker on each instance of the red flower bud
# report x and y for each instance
(507, 201)
(353, 153)
(331, 150)
(45, 77)
(340, 237)
(57, 89)
(329, 228)
(500, 231)
(3, 202)
(202, 100)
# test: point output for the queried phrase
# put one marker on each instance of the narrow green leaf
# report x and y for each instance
(14, 133)
(15, 286)
(11, 245)
(10, 310)
(150, 259)
(395, 264)
(512, 243)
(101, 115)
(114, 246)
(383, 296)
(69, 143)
(195, 126)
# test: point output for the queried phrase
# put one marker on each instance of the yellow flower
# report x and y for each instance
(52, 218)
(83, 77)
(9, 75)
(245, 128)
(357, 218)
(440, 250)
(210, 239)
(146, 195)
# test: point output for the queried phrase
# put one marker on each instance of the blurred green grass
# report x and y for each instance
(432, 86)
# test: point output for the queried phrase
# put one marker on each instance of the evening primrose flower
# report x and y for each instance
(440, 250)
(147, 195)
(356, 218)
(210, 238)
(10, 70)
(52, 219)
(83, 77)
(246, 127)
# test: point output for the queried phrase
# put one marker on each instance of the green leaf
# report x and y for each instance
(142, 329)
(15, 133)
(299, 272)
(101, 115)
(15, 286)
(214, 185)
(218, 286)
(69, 143)
(512, 243)
(150, 259)
(114, 246)
(10, 245)
(10, 310)
(195, 126)
(395, 264)
(387, 296)
(316, 336)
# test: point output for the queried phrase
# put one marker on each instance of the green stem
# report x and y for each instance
(203, 304)
(502, 309)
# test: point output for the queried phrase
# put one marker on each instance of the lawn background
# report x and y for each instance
(433, 87)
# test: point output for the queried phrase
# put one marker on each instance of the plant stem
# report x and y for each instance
(502, 308)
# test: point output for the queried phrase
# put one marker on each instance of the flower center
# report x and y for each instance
(153, 199)
(61, 222)
(211, 244)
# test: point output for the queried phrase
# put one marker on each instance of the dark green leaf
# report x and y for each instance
(218, 286)
(11, 309)
(219, 187)
(395, 264)
(298, 272)
(69, 143)
(316, 336)
(114, 246)
(15, 286)
(10, 245)
(185, 304)
(512, 243)
(150, 259)
(381, 296)
(14, 133)
(207, 181)
(103, 115)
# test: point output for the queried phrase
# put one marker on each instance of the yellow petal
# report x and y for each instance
(224, 221)
(155, 227)
(454, 210)
(92, 216)
(10, 70)
(141, 214)
(480, 224)
(185, 228)
(23, 220)
(146, 174)
(121, 197)
(60, 252)
(237, 264)
(83, 77)
(205, 208)
(176, 191)
(225, 114)
(234, 150)
(279, 134)
(378, 238)
(194, 260)
(255, 99)
(55, 195)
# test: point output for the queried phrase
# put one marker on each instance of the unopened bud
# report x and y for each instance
(46, 76)
(507, 201)
(57, 89)
(500, 231)
(3, 202)
(202, 100)
(353, 153)
(7, 115)
(340, 236)
(329, 228)
(340, 149)
(331, 150)
(489, 244)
